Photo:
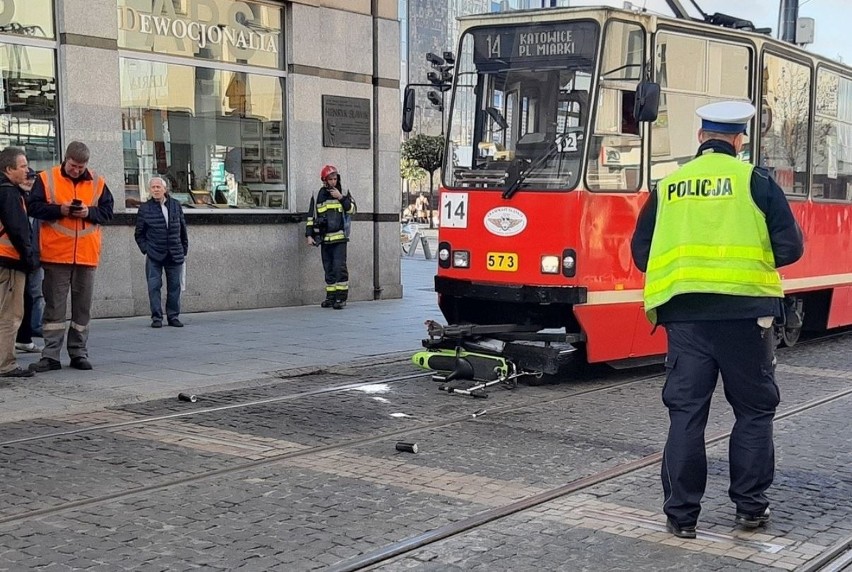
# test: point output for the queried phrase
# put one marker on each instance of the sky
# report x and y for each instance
(833, 18)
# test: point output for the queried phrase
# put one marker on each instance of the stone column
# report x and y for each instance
(90, 111)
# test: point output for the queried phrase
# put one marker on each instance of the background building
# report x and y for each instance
(238, 104)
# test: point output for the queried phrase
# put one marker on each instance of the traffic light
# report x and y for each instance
(436, 100)
(441, 78)
(434, 60)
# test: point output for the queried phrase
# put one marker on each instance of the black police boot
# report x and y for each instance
(680, 531)
(746, 520)
(329, 300)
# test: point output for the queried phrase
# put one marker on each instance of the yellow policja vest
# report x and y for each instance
(710, 237)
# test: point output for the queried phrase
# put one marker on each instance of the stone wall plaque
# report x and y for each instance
(345, 122)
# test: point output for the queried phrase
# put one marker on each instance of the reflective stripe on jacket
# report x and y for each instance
(710, 236)
(70, 240)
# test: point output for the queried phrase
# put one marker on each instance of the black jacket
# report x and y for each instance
(784, 235)
(154, 238)
(16, 226)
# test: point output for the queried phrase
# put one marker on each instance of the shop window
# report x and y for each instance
(30, 18)
(785, 108)
(216, 136)
(28, 110)
(832, 161)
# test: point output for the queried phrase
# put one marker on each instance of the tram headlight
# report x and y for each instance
(569, 262)
(461, 259)
(444, 250)
(550, 264)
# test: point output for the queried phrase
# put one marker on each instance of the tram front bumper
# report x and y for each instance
(521, 294)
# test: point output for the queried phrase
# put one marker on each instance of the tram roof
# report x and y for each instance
(604, 12)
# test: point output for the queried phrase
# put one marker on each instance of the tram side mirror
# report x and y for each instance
(408, 109)
(647, 104)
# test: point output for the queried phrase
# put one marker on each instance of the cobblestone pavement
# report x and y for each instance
(312, 509)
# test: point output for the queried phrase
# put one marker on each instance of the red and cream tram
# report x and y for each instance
(547, 167)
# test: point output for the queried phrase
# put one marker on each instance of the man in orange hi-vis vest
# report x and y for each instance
(71, 202)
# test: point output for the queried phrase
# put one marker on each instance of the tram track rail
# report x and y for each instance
(215, 409)
(273, 459)
(838, 557)
(838, 554)
(406, 545)
(278, 399)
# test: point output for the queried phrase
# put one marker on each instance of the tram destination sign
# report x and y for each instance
(518, 44)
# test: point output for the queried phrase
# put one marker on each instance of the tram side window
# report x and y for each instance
(832, 158)
(785, 107)
(692, 72)
(615, 149)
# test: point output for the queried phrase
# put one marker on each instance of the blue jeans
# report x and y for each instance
(154, 275)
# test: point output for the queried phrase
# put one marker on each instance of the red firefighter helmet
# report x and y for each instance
(328, 170)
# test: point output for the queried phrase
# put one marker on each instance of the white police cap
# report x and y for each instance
(726, 116)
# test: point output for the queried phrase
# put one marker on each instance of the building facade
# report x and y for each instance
(238, 104)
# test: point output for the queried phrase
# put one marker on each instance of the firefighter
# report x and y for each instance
(710, 239)
(327, 227)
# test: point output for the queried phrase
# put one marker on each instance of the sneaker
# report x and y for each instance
(680, 531)
(746, 520)
(31, 348)
(17, 372)
(157, 324)
(80, 362)
(45, 364)
(175, 323)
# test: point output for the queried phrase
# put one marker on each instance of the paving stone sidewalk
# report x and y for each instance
(217, 350)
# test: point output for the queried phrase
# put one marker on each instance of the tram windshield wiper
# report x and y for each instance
(517, 173)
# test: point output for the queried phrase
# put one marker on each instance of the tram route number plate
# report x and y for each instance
(502, 261)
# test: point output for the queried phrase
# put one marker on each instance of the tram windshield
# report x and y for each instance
(521, 107)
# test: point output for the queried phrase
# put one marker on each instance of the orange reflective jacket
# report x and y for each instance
(70, 240)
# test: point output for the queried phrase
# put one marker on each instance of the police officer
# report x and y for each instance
(326, 226)
(709, 239)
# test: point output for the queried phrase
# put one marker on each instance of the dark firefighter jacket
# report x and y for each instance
(326, 219)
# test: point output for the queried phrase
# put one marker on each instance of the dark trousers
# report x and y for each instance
(58, 280)
(154, 276)
(744, 353)
(336, 274)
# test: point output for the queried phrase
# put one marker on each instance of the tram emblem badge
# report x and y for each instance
(505, 221)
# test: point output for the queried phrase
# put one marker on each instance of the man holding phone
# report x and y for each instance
(71, 202)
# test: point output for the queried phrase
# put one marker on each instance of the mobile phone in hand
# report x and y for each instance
(76, 205)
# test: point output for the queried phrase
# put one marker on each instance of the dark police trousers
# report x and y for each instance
(744, 353)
